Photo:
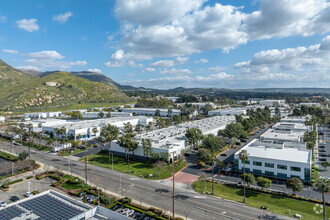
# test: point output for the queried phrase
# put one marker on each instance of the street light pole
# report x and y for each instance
(69, 165)
(86, 159)
(29, 187)
(112, 160)
(173, 196)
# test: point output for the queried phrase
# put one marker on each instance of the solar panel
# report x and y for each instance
(48, 207)
(10, 213)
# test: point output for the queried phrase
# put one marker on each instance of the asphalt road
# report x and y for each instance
(153, 192)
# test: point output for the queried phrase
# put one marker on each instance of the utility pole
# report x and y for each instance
(12, 168)
(109, 158)
(173, 196)
(69, 166)
(86, 159)
(112, 160)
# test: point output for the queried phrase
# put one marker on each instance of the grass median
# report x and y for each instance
(275, 203)
(137, 168)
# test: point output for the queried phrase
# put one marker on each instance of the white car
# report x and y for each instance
(28, 194)
(3, 204)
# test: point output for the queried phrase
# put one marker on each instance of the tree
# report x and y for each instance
(39, 126)
(164, 156)
(324, 164)
(21, 125)
(204, 154)
(23, 155)
(177, 119)
(108, 115)
(128, 128)
(110, 132)
(101, 115)
(323, 185)
(138, 128)
(194, 135)
(30, 127)
(95, 130)
(264, 182)
(169, 112)
(128, 142)
(149, 126)
(146, 144)
(159, 165)
(221, 164)
(157, 113)
(248, 177)
(243, 156)
(295, 184)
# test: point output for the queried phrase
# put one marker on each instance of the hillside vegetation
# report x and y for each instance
(21, 91)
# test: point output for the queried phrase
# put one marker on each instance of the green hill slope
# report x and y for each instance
(26, 92)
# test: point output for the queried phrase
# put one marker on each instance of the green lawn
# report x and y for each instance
(277, 204)
(140, 168)
(67, 153)
(8, 156)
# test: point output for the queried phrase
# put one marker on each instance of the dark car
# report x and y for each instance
(322, 159)
(14, 198)
(81, 194)
(224, 155)
(323, 155)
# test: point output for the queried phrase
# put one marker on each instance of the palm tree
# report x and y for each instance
(169, 112)
(39, 126)
(30, 127)
(243, 156)
(21, 125)
(323, 185)
(146, 144)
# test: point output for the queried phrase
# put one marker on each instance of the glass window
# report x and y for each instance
(271, 165)
(247, 162)
(256, 171)
(297, 169)
(281, 175)
(282, 167)
(257, 163)
(268, 173)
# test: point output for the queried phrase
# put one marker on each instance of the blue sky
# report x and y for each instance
(171, 43)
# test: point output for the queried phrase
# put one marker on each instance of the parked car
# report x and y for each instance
(322, 150)
(28, 194)
(321, 146)
(81, 194)
(224, 155)
(297, 216)
(239, 183)
(322, 159)
(14, 198)
(323, 155)
(3, 204)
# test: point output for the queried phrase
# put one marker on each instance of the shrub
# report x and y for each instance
(15, 181)
(125, 200)
(29, 177)
(35, 192)
(23, 155)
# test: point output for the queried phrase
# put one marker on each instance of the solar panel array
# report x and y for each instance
(48, 207)
(10, 213)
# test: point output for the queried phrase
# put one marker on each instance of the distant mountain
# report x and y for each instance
(22, 91)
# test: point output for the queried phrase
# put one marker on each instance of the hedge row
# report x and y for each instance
(15, 181)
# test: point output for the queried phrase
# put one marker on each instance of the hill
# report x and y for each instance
(55, 90)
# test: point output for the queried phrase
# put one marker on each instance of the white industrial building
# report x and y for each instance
(172, 140)
(38, 115)
(2, 119)
(228, 111)
(95, 115)
(311, 104)
(295, 119)
(275, 160)
(85, 127)
(172, 99)
(271, 102)
(283, 113)
(280, 152)
(151, 111)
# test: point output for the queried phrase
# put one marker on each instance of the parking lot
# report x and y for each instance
(20, 188)
(131, 213)
(324, 150)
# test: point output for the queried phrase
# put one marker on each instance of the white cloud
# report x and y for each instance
(62, 18)
(29, 68)
(3, 19)
(170, 63)
(50, 60)
(149, 69)
(118, 55)
(174, 71)
(202, 60)
(152, 12)
(283, 18)
(95, 70)
(112, 64)
(10, 51)
(129, 74)
(299, 59)
(133, 64)
(29, 25)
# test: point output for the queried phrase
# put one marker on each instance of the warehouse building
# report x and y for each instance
(95, 115)
(172, 140)
(151, 111)
(275, 160)
(40, 115)
(271, 102)
(86, 128)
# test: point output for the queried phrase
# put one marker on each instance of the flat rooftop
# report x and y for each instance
(284, 154)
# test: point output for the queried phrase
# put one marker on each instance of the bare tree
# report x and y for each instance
(202, 178)
(186, 210)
